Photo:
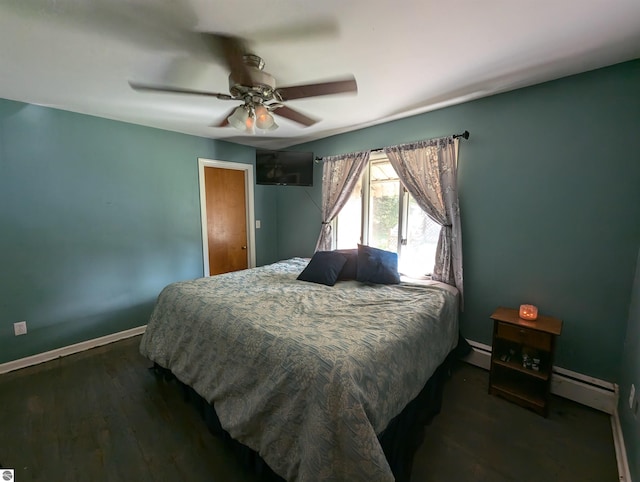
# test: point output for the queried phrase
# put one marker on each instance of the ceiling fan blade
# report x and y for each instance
(295, 116)
(231, 50)
(154, 26)
(177, 90)
(314, 90)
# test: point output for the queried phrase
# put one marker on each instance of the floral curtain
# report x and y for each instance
(428, 170)
(340, 175)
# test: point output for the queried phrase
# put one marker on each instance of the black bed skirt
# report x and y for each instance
(400, 439)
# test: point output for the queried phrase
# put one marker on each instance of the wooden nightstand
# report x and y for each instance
(522, 358)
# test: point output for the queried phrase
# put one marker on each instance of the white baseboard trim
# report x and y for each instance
(69, 350)
(576, 388)
(480, 356)
(586, 390)
(621, 450)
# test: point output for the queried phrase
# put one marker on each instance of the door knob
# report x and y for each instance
(244, 247)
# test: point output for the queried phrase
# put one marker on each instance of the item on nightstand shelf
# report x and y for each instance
(528, 312)
(529, 357)
(506, 357)
(535, 364)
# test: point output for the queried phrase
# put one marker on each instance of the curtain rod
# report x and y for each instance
(464, 135)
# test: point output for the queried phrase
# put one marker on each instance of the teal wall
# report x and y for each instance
(631, 374)
(96, 217)
(550, 201)
(299, 217)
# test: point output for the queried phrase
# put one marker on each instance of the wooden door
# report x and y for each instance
(226, 219)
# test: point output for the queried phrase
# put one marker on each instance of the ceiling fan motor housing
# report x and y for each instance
(263, 83)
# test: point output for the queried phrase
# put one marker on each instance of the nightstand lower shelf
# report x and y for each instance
(537, 404)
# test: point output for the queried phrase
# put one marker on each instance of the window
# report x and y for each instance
(382, 214)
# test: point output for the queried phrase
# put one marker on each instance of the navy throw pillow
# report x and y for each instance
(377, 266)
(350, 268)
(324, 268)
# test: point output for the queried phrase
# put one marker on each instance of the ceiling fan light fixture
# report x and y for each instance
(250, 125)
(264, 120)
(240, 119)
(273, 125)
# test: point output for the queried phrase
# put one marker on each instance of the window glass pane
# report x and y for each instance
(349, 221)
(383, 206)
(419, 254)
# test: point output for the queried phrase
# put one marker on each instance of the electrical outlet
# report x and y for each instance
(20, 328)
(632, 395)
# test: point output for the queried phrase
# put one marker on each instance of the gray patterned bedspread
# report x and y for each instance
(305, 374)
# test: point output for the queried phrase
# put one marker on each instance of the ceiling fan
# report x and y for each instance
(256, 89)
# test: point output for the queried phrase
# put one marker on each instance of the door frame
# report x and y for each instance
(250, 214)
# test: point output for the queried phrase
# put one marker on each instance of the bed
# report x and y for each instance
(306, 375)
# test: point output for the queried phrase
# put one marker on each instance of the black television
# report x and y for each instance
(284, 168)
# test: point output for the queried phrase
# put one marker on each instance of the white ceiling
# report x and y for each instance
(408, 56)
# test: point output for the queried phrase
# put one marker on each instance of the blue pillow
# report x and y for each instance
(324, 268)
(350, 268)
(377, 266)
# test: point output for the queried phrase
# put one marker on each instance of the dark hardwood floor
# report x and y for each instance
(101, 415)
(479, 437)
